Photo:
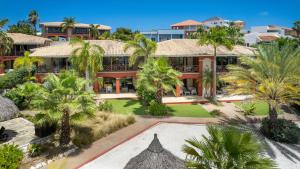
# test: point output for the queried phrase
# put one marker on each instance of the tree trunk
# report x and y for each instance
(87, 78)
(159, 95)
(69, 32)
(65, 128)
(272, 112)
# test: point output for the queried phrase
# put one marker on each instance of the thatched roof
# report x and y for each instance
(78, 25)
(155, 157)
(111, 48)
(169, 48)
(189, 47)
(23, 39)
(8, 109)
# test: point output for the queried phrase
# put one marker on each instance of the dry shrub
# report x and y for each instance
(86, 132)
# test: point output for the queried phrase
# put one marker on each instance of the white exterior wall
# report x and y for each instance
(259, 29)
(251, 39)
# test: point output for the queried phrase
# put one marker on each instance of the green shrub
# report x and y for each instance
(145, 95)
(157, 109)
(34, 150)
(105, 106)
(18, 76)
(23, 94)
(249, 110)
(10, 156)
(215, 112)
(281, 130)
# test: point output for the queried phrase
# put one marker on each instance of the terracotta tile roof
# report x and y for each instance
(187, 23)
(79, 25)
(268, 38)
(24, 39)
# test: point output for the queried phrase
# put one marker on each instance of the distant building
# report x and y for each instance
(81, 30)
(267, 34)
(164, 34)
(217, 21)
(188, 26)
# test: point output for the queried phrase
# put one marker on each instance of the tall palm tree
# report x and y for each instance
(87, 58)
(272, 76)
(156, 75)
(33, 18)
(27, 61)
(297, 27)
(68, 25)
(3, 22)
(215, 36)
(207, 81)
(225, 148)
(94, 31)
(234, 34)
(63, 97)
(143, 47)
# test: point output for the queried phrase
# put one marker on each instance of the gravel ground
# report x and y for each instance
(172, 137)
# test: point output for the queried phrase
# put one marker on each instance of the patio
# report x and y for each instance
(20, 131)
(167, 133)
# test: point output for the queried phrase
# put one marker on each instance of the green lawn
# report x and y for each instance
(128, 106)
(261, 108)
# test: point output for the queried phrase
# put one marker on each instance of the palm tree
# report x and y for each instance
(235, 35)
(63, 97)
(272, 76)
(33, 18)
(68, 25)
(225, 148)
(87, 58)
(27, 61)
(94, 31)
(3, 22)
(207, 80)
(156, 75)
(297, 27)
(215, 36)
(143, 47)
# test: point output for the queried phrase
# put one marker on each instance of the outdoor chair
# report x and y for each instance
(186, 92)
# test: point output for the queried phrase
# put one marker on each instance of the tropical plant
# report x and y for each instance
(215, 36)
(207, 81)
(272, 76)
(235, 35)
(27, 61)
(23, 94)
(64, 98)
(33, 18)
(297, 27)
(87, 58)
(281, 130)
(143, 47)
(6, 44)
(10, 156)
(157, 109)
(68, 25)
(105, 106)
(124, 34)
(34, 150)
(94, 31)
(156, 75)
(105, 36)
(13, 78)
(24, 27)
(3, 22)
(225, 148)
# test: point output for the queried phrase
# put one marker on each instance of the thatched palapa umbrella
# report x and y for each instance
(8, 109)
(155, 157)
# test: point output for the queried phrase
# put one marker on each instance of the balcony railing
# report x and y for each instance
(186, 69)
(114, 68)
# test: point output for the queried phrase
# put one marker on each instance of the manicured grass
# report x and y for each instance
(180, 110)
(261, 108)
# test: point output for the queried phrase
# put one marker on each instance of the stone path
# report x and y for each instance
(229, 109)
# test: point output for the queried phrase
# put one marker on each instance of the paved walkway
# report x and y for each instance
(229, 109)
(107, 143)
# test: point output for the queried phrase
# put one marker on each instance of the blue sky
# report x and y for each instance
(152, 14)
